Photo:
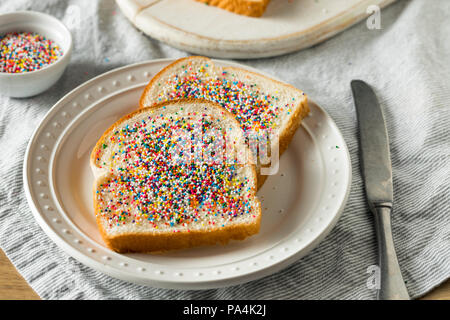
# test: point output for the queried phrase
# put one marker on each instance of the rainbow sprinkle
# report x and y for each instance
(148, 187)
(25, 52)
(255, 110)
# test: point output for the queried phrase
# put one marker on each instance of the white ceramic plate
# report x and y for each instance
(301, 203)
(286, 26)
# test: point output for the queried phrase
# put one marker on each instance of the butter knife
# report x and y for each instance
(377, 175)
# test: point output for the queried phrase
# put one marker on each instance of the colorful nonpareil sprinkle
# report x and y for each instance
(153, 181)
(25, 52)
(254, 109)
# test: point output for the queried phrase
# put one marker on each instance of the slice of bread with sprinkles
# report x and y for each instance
(252, 8)
(174, 176)
(263, 106)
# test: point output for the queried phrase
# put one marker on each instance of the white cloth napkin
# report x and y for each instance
(408, 64)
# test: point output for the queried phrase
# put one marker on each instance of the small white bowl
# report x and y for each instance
(28, 84)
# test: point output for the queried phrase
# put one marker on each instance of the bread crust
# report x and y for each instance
(164, 241)
(294, 122)
(243, 7)
(153, 242)
(285, 136)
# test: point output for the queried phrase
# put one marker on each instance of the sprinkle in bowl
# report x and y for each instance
(25, 74)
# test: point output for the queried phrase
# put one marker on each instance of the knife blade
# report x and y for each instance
(374, 145)
(377, 175)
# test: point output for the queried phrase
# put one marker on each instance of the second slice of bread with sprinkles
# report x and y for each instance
(174, 176)
(260, 104)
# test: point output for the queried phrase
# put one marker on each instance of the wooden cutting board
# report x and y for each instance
(286, 26)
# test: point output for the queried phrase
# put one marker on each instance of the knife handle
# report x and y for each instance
(392, 286)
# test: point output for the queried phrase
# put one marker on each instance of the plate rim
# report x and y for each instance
(170, 282)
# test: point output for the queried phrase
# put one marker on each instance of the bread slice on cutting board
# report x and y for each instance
(174, 176)
(264, 107)
(252, 8)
